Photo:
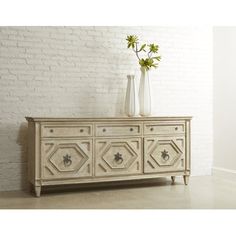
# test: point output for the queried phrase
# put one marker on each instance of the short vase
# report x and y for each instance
(144, 93)
(131, 99)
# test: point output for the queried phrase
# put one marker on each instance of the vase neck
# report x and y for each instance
(143, 70)
(130, 76)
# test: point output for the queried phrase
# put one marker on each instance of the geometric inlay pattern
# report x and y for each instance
(163, 154)
(166, 147)
(77, 157)
(127, 153)
(118, 156)
(66, 158)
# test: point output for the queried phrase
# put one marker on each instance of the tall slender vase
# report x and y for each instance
(131, 99)
(144, 93)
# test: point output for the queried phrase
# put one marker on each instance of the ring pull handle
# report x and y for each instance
(151, 129)
(51, 130)
(104, 130)
(81, 131)
(118, 158)
(176, 128)
(165, 156)
(67, 160)
(131, 129)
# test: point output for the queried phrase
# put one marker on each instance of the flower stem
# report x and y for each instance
(136, 50)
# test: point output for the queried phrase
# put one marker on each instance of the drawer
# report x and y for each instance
(63, 159)
(117, 157)
(119, 129)
(70, 130)
(164, 128)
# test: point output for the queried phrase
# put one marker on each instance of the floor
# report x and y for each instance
(202, 192)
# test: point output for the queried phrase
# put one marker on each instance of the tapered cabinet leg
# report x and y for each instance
(186, 179)
(37, 191)
(173, 179)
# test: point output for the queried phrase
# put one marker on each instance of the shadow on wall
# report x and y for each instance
(22, 141)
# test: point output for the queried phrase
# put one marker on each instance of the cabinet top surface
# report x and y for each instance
(91, 119)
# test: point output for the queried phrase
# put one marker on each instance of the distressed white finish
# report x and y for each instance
(81, 71)
(120, 152)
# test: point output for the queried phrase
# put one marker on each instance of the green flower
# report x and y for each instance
(153, 48)
(132, 40)
(148, 63)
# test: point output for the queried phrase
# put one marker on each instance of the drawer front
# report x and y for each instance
(164, 154)
(164, 128)
(119, 129)
(117, 157)
(70, 130)
(66, 158)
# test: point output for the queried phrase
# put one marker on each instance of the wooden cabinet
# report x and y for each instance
(85, 150)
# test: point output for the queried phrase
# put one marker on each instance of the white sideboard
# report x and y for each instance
(88, 150)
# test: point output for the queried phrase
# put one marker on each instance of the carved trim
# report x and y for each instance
(150, 164)
(101, 166)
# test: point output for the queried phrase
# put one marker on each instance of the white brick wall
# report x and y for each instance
(81, 71)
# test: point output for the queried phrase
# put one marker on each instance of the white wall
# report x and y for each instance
(224, 100)
(81, 71)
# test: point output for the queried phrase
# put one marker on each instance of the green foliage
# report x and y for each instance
(148, 62)
(157, 58)
(142, 48)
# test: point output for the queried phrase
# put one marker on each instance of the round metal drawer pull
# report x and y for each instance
(81, 131)
(118, 158)
(176, 128)
(51, 130)
(151, 129)
(67, 160)
(131, 129)
(165, 155)
(104, 130)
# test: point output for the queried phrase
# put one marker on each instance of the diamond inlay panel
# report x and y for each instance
(128, 156)
(164, 154)
(66, 158)
(118, 157)
(76, 158)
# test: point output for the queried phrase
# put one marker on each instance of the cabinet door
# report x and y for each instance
(164, 154)
(115, 157)
(66, 158)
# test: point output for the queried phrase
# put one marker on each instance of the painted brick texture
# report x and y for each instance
(81, 71)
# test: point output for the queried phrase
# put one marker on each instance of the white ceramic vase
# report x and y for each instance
(131, 99)
(144, 93)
